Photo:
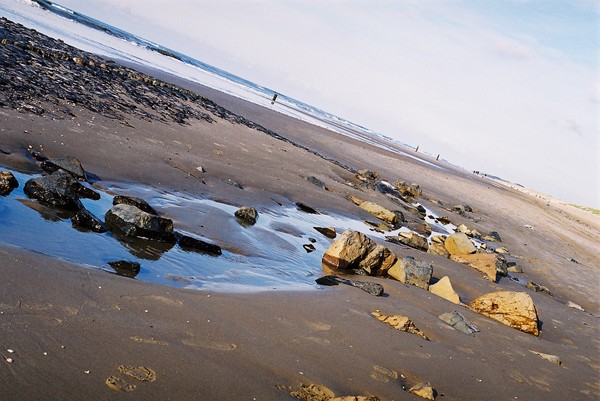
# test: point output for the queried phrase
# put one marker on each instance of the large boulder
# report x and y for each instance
(410, 271)
(459, 244)
(411, 239)
(59, 190)
(443, 288)
(133, 222)
(8, 182)
(354, 250)
(486, 263)
(514, 309)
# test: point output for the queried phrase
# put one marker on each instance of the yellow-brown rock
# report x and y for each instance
(399, 322)
(378, 260)
(346, 251)
(423, 390)
(374, 209)
(484, 262)
(514, 309)
(459, 244)
(443, 288)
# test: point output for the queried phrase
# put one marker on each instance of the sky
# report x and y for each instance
(510, 88)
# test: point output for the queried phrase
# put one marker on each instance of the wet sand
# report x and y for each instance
(71, 327)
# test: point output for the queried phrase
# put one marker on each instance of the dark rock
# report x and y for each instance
(317, 182)
(459, 322)
(69, 164)
(235, 184)
(247, 215)
(444, 220)
(189, 243)
(125, 268)
(538, 288)
(461, 209)
(411, 271)
(329, 232)
(58, 189)
(8, 182)
(133, 222)
(309, 248)
(83, 218)
(371, 288)
(305, 208)
(133, 201)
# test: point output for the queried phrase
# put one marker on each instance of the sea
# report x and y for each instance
(94, 36)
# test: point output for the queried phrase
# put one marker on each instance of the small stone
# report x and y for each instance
(502, 250)
(309, 248)
(201, 169)
(411, 239)
(125, 268)
(133, 222)
(538, 288)
(550, 358)
(514, 268)
(423, 390)
(70, 164)
(188, 243)
(329, 232)
(573, 305)
(247, 215)
(492, 237)
(305, 208)
(399, 322)
(459, 322)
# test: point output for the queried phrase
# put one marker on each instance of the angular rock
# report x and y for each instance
(459, 244)
(550, 358)
(571, 304)
(133, 201)
(71, 165)
(444, 220)
(411, 239)
(443, 288)
(423, 390)
(58, 190)
(317, 182)
(514, 268)
(399, 322)
(486, 263)
(371, 288)
(83, 218)
(309, 248)
(378, 260)
(329, 232)
(125, 268)
(305, 208)
(367, 175)
(247, 215)
(492, 237)
(461, 209)
(410, 271)
(8, 182)
(189, 243)
(463, 229)
(514, 309)
(502, 250)
(538, 288)
(409, 190)
(459, 322)
(437, 246)
(133, 222)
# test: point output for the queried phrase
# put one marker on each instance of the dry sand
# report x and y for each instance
(72, 327)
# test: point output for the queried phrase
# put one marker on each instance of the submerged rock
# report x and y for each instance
(8, 182)
(133, 222)
(514, 309)
(399, 322)
(486, 263)
(459, 322)
(133, 201)
(59, 190)
(459, 244)
(247, 215)
(125, 268)
(410, 271)
(69, 164)
(443, 288)
(84, 218)
(188, 243)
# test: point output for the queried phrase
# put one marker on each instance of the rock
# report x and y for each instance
(133, 222)
(354, 250)
(317, 182)
(125, 268)
(309, 247)
(463, 229)
(492, 237)
(459, 322)
(512, 267)
(305, 208)
(380, 212)
(409, 190)
(8, 182)
(411, 239)
(486, 263)
(329, 232)
(399, 322)
(247, 215)
(367, 175)
(461, 209)
(355, 398)
(71, 165)
(443, 288)
(550, 358)
(459, 244)
(538, 288)
(502, 250)
(410, 271)
(188, 243)
(514, 309)
(444, 220)
(59, 190)
(201, 169)
(83, 218)
(573, 305)
(437, 246)
(423, 390)
(371, 288)
(133, 201)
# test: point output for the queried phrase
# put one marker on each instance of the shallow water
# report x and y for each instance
(268, 255)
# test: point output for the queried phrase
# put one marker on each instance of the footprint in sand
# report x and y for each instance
(140, 373)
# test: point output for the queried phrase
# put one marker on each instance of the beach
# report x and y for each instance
(68, 327)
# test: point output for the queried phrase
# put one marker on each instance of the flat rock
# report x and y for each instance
(423, 390)
(486, 263)
(459, 322)
(514, 309)
(133, 222)
(133, 201)
(571, 304)
(193, 244)
(459, 244)
(247, 215)
(399, 322)
(408, 270)
(443, 288)
(329, 232)
(8, 182)
(550, 358)
(70, 164)
(411, 239)
(125, 268)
